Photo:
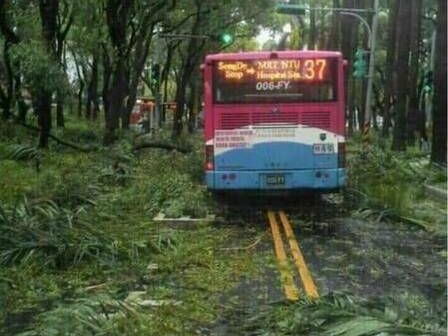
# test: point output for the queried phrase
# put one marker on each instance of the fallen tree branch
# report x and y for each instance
(94, 287)
(161, 145)
(251, 246)
(59, 141)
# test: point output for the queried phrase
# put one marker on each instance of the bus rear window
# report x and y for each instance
(275, 81)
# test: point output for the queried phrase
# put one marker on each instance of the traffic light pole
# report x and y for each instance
(368, 108)
(372, 32)
(364, 22)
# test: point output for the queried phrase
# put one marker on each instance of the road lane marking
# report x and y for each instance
(299, 260)
(291, 291)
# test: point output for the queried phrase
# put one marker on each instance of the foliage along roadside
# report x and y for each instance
(342, 315)
(84, 219)
(385, 185)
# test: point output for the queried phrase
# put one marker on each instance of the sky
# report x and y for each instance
(266, 34)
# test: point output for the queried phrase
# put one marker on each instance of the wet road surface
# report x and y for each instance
(346, 254)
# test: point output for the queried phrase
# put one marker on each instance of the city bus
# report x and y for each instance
(274, 121)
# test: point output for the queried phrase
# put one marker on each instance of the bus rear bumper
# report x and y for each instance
(309, 179)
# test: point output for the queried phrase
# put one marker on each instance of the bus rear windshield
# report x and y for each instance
(275, 81)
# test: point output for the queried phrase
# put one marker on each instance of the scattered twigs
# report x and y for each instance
(95, 287)
(243, 248)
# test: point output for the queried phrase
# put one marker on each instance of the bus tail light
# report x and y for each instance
(209, 157)
(341, 155)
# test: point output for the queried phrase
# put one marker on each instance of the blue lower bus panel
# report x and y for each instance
(309, 179)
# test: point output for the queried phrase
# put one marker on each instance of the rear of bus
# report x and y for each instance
(274, 121)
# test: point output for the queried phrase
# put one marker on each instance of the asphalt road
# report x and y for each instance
(347, 254)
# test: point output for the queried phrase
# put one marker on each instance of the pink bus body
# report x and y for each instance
(274, 134)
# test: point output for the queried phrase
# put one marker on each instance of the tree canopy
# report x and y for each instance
(94, 57)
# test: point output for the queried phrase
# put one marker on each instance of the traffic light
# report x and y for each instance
(360, 64)
(427, 82)
(225, 38)
(155, 74)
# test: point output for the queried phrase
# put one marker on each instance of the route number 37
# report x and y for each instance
(314, 69)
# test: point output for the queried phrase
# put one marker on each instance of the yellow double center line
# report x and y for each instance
(290, 288)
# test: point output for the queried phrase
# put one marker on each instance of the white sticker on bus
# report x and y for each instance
(233, 138)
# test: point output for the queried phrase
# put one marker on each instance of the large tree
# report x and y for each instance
(390, 69)
(413, 110)
(43, 98)
(439, 145)
(10, 38)
(404, 43)
(130, 26)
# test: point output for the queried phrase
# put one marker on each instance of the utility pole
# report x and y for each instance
(368, 109)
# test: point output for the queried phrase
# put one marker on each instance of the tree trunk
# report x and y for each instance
(421, 112)
(414, 72)
(125, 89)
(117, 15)
(106, 82)
(21, 104)
(193, 105)
(92, 89)
(43, 105)
(96, 104)
(194, 51)
(48, 13)
(322, 34)
(80, 84)
(61, 34)
(80, 92)
(137, 67)
(390, 66)
(180, 106)
(439, 145)
(334, 35)
(60, 110)
(165, 80)
(312, 32)
(404, 43)
(10, 37)
(115, 100)
(8, 96)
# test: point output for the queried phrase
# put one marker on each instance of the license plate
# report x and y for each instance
(323, 148)
(275, 179)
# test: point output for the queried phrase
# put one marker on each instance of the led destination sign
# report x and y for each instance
(278, 80)
(298, 69)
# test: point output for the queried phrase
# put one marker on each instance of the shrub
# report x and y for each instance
(53, 235)
(340, 314)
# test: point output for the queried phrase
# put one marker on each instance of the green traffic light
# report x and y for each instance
(155, 74)
(360, 64)
(226, 38)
